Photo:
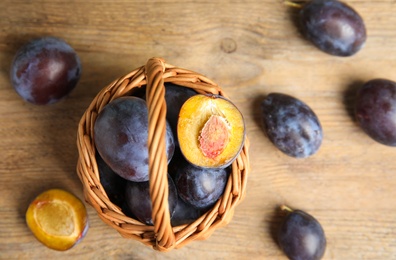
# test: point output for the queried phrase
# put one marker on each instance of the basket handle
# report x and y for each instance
(158, 162)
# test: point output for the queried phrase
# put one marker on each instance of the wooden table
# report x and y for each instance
(250, 48)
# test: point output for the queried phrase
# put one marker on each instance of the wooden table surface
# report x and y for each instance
(250, 48)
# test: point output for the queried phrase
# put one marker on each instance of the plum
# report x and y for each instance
(58, 219)
(200, 187)
(291, 125)
(112, 183)
(45, 70)
(175, 96)
(333, 27)
(138, 201)
(375, 110)
(301, 236)
(210, 130)
(121, 136)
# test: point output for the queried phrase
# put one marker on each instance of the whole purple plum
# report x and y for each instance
(138, 200)
(301, 236)
(45, 70)
(121, 138)
(200, 187)
(291, 125)
(375, 110)
(333, 27)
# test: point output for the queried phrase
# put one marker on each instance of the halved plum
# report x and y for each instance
(210, 130)
(58, 219)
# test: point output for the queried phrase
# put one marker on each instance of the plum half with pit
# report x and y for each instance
(210, 131)
(45, 70)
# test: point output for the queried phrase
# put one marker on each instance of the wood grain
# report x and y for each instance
(250, 48)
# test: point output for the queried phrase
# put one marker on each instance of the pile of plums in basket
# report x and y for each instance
(204, 135)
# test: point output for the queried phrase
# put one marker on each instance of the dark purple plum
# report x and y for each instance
(301, 237)
(291, 125)
(139, 202)
(177, 161)
(45, 70)
(112, 183)
(185, 213)
(175, 96)
(200, 187)
(121, 136)
(375, 110)
(333, 27)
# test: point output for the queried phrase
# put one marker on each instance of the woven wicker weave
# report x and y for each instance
(162, 236)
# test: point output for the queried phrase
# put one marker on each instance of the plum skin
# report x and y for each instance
(301, 237)
(375, 110)
(112, 183)
(291, 125)
(175, 96)
(200, 187)
(333, 27)
(138, 200)
(121, 136)
(185, 213)
(45, 70)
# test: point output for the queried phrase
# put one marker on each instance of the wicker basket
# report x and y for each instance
(162, 236)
